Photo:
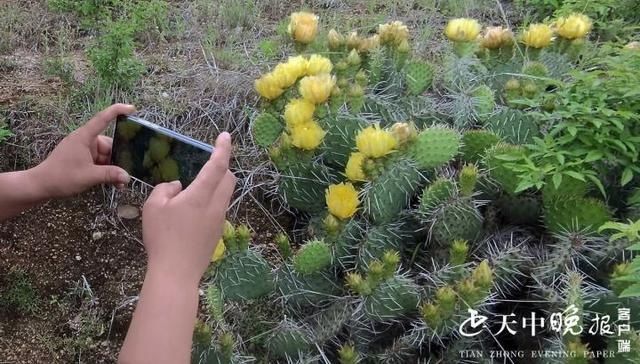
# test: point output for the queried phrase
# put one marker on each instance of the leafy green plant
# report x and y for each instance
(20, 295)
(631, 274)
(595, 128)
(5, 133)
(113, 56)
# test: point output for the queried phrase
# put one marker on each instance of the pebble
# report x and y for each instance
(78, 257)
(96, 235)
(128, 212)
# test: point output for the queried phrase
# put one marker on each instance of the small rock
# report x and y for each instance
(96, 235)
(165, 94)
(78, 257)
(128, 212)
(200, 292)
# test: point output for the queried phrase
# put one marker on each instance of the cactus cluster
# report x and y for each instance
(416, 214)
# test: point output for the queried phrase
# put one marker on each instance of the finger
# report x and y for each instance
(223, 194)
(101, 120)
(111, 175)
(165, 191)
(213, 171)
(104, 145)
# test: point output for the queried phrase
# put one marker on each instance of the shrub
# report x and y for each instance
(113, 56)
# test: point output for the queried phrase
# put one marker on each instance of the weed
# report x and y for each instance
(60, 67)
(113, 56)
(19, 296)
(237, 13)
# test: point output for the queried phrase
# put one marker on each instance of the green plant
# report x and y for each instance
(113, 56)
(628, 277)
(421, 205)
(60, 67)
(19, 294)
(5, 133)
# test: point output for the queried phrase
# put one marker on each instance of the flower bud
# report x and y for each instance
(353, 40)
(354, 58)
(335, 39)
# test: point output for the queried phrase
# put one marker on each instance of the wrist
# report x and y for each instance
(33, 184)
(39, 180)
(170, 278)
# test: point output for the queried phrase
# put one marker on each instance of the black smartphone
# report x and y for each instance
(153, 154)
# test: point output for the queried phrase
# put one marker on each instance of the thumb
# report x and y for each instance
(166, 191)
(112, 175)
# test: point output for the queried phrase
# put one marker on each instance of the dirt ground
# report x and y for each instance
(66, 244)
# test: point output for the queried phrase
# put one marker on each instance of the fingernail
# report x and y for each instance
(225, 136)
(123, 178)
(120, 186)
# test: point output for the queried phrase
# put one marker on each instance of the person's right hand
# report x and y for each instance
(180, 229)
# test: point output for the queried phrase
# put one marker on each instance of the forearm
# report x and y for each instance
(20, 191)
(162, 327)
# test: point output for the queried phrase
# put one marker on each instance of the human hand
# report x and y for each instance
(180, 229)
(81, 160)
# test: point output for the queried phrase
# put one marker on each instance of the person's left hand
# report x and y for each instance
(81, 160)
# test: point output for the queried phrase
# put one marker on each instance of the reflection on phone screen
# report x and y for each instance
(154, 157)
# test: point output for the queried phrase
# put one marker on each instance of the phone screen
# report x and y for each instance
(155, 155)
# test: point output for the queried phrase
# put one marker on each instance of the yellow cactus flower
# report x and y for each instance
(537, 36)
(307, 136)
(303, 27)
(354, 170)
(298, 111)
(219, 252)
(393, 33)
(375, 142)
(317, 89)
(574, 26)
(496, 37)
(342, 200)
(268, 86)
(298, 65)
(462, 30)
(318, 64)
(283, 76)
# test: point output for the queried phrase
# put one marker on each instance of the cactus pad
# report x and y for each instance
(575, 214)
(475, 143)
(392, 299)
(266, 129)
(391, 191)
(312, 257)
(435, 147)
(245, 275)
(418, 76)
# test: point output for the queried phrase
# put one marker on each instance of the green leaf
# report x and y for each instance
(508, 157)
(576, 175)
(593, 156)
(627, 176)
(524, 185)
(598, 184)
(631, 291)
(557, 180)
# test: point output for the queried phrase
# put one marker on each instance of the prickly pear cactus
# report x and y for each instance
(424, 197)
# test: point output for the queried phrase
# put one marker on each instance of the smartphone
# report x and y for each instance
(153, 154)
